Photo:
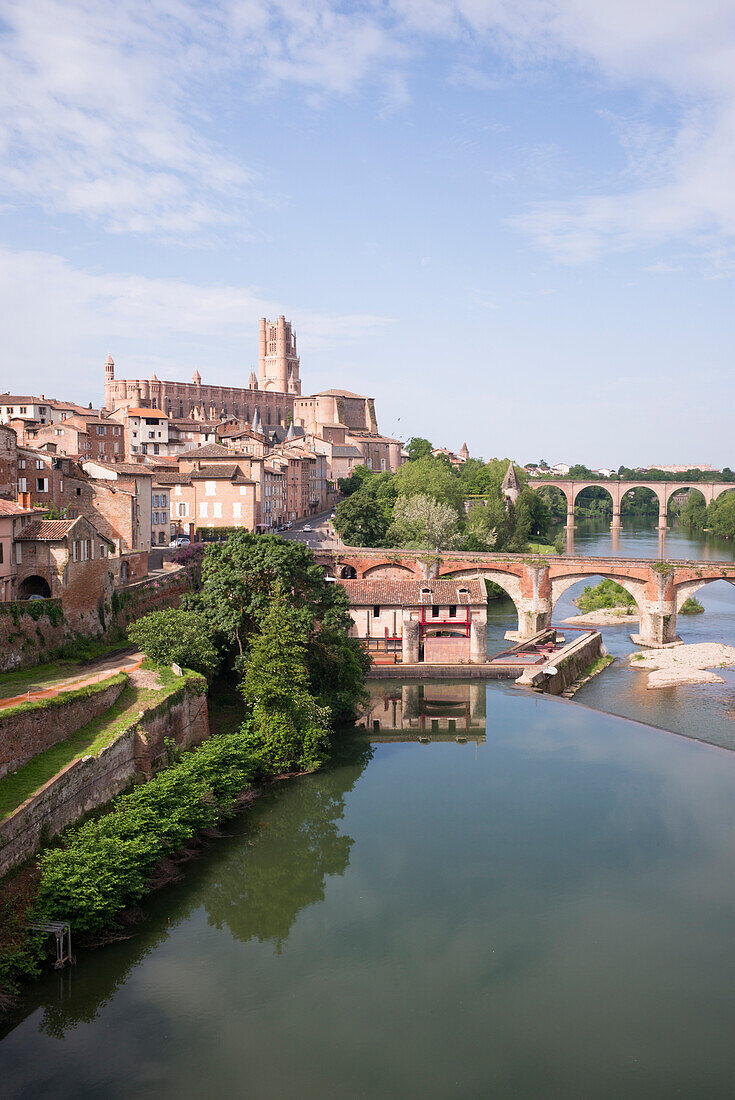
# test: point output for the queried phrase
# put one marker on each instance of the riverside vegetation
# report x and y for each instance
(267, 627)
(431, 505)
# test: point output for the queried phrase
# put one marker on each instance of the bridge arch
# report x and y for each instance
(632, 586)
(509, 582)
(669, 493)
(389, 569)
(685, 589)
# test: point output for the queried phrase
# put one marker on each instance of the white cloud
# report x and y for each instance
(103, 106)
(60, 321)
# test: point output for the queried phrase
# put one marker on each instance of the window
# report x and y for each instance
(183, 510)
(79, 492)
(1, 553)
(18, 553)
(435, 612)
(21, 464)
(217, 510)
(236, 510)
(103, 549)
(75, 550)
(452, 611)
(210, 488)
(22, 485)
(41, 484)
(203, 509)
(177, 491)
(101, 430)
(39, 463)
(154, 500)
(376, 611)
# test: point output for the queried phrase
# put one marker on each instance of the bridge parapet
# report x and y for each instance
(534, 584)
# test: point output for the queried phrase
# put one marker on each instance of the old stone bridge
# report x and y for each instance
(662, 490)
(534, 584)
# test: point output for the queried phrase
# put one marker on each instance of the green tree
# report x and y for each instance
(420, 522)
(356, 481)
(433, 478)
(361, 520)
(174, 635)
(288, 729)
(418, 448)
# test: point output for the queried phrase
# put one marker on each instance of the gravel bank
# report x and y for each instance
(685, 664)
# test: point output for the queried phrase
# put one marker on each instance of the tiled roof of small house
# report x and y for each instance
(414, 593)
(221, 473)
(10, 508)
(211, 450)
(47, 530)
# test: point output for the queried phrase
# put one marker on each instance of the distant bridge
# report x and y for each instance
(535, 584)
(663, 491)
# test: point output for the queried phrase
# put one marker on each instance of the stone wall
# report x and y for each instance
(92, 781)
(24, 733)
(32, 632)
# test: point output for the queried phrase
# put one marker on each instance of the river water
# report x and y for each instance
(536, 899)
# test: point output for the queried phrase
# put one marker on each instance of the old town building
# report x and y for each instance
(412, 621)
(12, 518)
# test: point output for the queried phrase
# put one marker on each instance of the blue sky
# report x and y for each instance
(510, 221)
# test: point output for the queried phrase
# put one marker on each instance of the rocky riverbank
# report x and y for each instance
(685, 664)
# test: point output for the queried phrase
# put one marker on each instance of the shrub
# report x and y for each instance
(105, 864)
(173, 635)
(691, 606)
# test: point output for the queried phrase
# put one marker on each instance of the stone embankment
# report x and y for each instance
(135, 751)
(686, 664)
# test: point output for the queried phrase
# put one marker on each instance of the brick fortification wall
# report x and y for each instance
(25, 733)
(93, 780)
(30, 633)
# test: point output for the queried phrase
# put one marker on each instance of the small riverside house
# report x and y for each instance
(410, 621)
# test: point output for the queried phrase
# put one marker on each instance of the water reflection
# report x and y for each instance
(272, 863)
(428, 710)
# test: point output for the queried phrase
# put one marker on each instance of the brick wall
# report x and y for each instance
(446, 651)
(93, 780)
(23, 734)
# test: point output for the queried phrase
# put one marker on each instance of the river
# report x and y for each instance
(538, 902)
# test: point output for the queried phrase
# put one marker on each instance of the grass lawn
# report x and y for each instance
(54, 672)
(87, 741)
(541, 547)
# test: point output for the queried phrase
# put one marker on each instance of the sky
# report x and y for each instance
(512, 222)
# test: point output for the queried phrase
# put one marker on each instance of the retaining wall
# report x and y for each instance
(32, 632)
(24, 733)
(92, 781)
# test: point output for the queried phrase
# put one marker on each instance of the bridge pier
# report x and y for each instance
(657, 621)
(478, 642)
(616, 524)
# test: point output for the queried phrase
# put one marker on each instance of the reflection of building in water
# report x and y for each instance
(438, 711)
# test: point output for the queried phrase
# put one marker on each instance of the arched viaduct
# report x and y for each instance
(535, 584)
(663, 491)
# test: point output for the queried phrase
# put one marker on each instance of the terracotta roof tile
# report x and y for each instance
(47, 530)
(10, 508)
(414, 593)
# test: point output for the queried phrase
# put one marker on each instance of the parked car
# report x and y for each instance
(307, 527)
(183, 540)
